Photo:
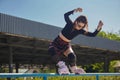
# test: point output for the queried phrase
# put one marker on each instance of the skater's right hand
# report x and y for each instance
(78, 10)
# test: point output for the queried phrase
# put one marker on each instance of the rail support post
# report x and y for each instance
(97, 77)
(45, 78)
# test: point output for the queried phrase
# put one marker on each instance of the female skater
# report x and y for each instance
(61, 44)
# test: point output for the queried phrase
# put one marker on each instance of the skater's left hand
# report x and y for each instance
(100, 25)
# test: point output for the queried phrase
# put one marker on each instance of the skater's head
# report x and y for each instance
(80, 22)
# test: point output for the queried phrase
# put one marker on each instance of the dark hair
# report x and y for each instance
(82, 19)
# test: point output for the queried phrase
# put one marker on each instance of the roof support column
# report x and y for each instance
(17, 67)
(10, 60)
(106, 64)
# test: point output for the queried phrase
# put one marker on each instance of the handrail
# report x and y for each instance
(45, 75)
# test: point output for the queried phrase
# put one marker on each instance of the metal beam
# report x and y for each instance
(22, 46)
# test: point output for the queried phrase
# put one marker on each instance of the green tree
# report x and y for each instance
(110, 35)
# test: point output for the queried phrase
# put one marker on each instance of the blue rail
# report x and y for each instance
(45, 75)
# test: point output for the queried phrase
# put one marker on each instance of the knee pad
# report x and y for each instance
(71, 56)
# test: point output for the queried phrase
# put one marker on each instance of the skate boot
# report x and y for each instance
(77, 70)
(62, 68)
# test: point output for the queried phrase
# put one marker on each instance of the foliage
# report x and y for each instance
(98, 67)
(111, 67)
(109, 35)
(94, 68)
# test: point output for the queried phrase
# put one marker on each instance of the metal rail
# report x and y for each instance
(46, 75)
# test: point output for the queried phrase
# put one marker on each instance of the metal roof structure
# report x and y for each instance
(15, 25)
(25, 41)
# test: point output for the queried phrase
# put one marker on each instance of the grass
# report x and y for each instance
(68, 78)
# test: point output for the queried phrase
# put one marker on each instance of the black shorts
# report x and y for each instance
(58, 46)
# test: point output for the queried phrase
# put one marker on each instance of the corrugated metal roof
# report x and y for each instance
(15, 25)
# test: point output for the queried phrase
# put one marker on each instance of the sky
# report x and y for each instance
(52, 11)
